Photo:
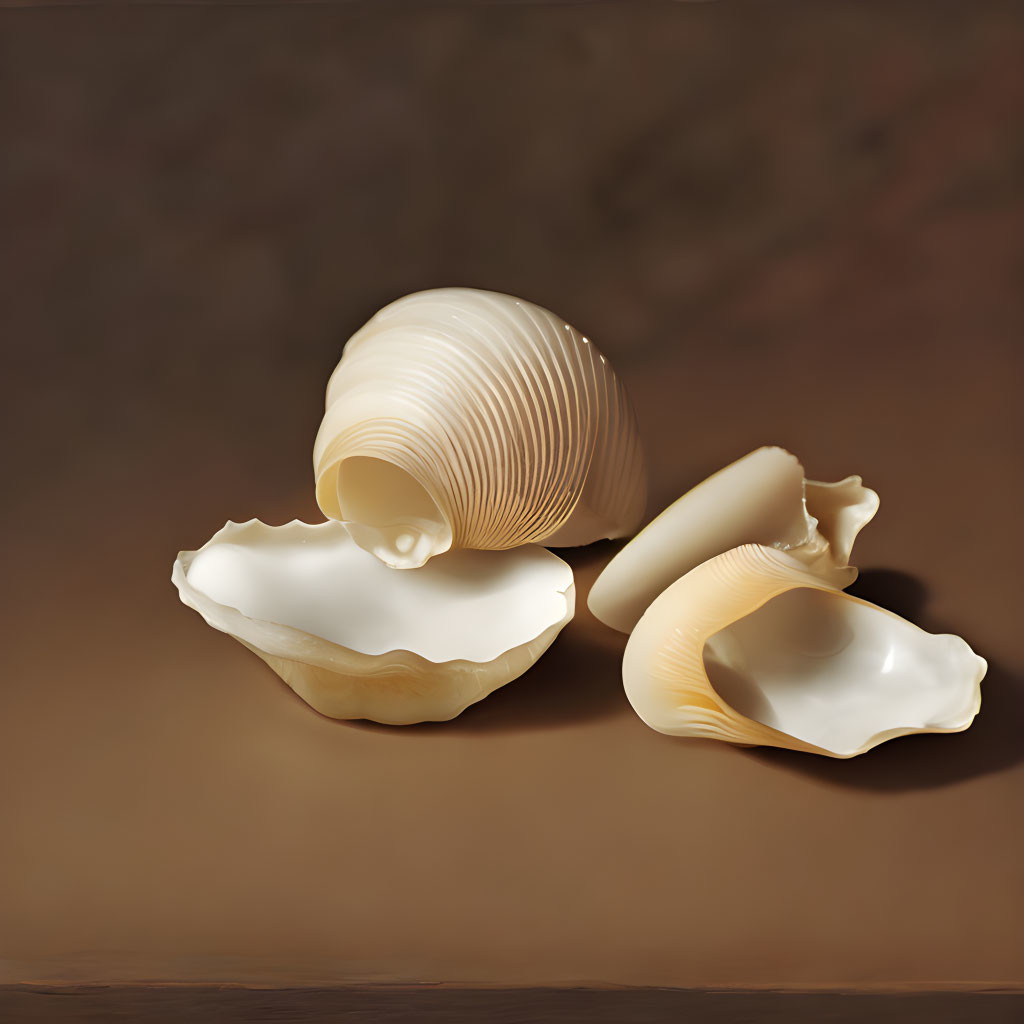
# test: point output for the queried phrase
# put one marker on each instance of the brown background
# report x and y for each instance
(800, 225)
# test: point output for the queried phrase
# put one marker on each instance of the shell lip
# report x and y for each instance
(402, 657)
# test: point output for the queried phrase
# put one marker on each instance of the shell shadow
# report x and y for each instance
(578, 679)
(928, 761)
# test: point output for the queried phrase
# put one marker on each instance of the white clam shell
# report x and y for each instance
(460, 418)
(762, 498)
(357, 639)
(753, 648)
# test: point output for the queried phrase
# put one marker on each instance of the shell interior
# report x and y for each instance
(469, 605)
(838, 672)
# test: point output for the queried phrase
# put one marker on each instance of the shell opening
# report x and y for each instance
(389, 514)
(835, 672)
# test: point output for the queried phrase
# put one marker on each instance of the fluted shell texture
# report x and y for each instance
(753, 648)
(460, 418)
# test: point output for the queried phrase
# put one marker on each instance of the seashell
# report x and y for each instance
(460, 418)
(762, 498)
(753, 647)
(357, 639)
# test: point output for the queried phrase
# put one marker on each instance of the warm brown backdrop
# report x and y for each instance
(800, 225)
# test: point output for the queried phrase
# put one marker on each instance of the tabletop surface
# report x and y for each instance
(798, 226)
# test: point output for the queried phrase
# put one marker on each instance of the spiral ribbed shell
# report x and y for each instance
(508, 418)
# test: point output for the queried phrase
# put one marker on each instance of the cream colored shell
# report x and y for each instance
(357, 639)
(752, 647)
(762, 498)
(460, 418)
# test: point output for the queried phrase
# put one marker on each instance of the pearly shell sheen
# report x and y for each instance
(460, 418)
(528, 593)
(753, 648)
(762, 498)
